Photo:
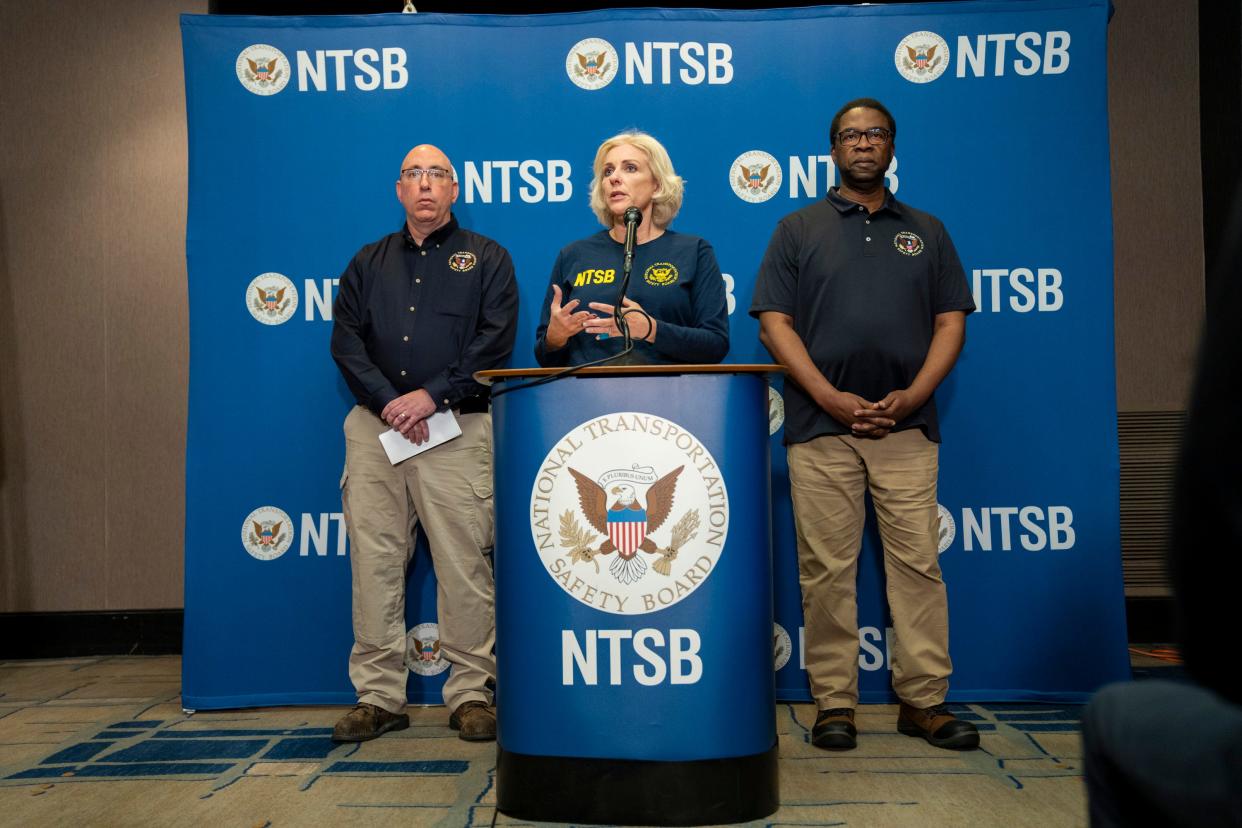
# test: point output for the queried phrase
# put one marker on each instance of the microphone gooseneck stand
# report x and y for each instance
(633, 218)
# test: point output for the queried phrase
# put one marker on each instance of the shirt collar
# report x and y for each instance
(844, 205)
(434, 238)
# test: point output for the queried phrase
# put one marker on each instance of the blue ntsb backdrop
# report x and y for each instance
(297, 127)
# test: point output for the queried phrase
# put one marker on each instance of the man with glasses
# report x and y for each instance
(418, 312)
(863, 298)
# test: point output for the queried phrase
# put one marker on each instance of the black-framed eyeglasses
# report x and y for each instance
(413, 174)
(876, 136)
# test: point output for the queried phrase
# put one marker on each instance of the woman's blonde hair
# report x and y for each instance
(669, 185)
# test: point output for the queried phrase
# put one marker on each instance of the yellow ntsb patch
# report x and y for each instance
(660, 274)
(595, 277)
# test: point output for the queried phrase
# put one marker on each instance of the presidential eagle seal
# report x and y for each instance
(592, 63)
(755, 176)
(263, 69)
(629, 513)
(782, 647)
(776, 411)
(921, 57)
(947, 528)
(422, 651)
(271, 298)
(267, 533)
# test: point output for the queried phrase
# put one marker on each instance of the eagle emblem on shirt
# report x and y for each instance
(908, 243)
(462, 261)
(627, 521)
(660, 274)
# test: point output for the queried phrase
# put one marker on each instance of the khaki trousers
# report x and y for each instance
(829, 476)
(448, 489)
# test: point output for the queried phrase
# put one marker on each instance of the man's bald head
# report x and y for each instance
(427, 199)
(424, 155)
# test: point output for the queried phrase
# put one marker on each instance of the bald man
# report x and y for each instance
(418, 312)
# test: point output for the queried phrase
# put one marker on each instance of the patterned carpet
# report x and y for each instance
(103, 741)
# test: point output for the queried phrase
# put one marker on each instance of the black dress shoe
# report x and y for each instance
(834, 729)
(938, 726)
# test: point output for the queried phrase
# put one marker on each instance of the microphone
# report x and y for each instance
(633, 218)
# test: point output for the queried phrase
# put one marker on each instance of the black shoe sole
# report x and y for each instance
(961, 741)
(400, 723)
(835, 741)
(491, 737)
(835, 736)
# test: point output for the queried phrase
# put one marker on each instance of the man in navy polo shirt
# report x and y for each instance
(863, 298)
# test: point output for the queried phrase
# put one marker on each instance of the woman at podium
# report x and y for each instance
(674, 303)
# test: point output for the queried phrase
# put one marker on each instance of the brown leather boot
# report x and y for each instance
(834, 729)
(475, 720)
(366, 721)
(938, 726)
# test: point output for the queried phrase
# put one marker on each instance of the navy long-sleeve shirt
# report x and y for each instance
(410, 316)
(675, 278)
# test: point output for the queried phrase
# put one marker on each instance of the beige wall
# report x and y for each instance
(93, 330)
(1153, 90)
(93, 347)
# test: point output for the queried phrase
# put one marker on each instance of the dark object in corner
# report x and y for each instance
(67, 634)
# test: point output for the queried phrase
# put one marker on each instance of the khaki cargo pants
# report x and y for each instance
(448, 489)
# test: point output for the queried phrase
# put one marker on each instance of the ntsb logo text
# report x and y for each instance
(364, 69)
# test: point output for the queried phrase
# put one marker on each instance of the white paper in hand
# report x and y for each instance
(441, 426)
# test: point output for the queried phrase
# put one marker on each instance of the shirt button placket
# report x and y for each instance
(414, 300)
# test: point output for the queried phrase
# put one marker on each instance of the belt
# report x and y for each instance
(472, 405)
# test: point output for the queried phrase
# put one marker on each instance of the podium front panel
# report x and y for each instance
(633, 568)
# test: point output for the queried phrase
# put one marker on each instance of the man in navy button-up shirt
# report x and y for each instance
(418, 312)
